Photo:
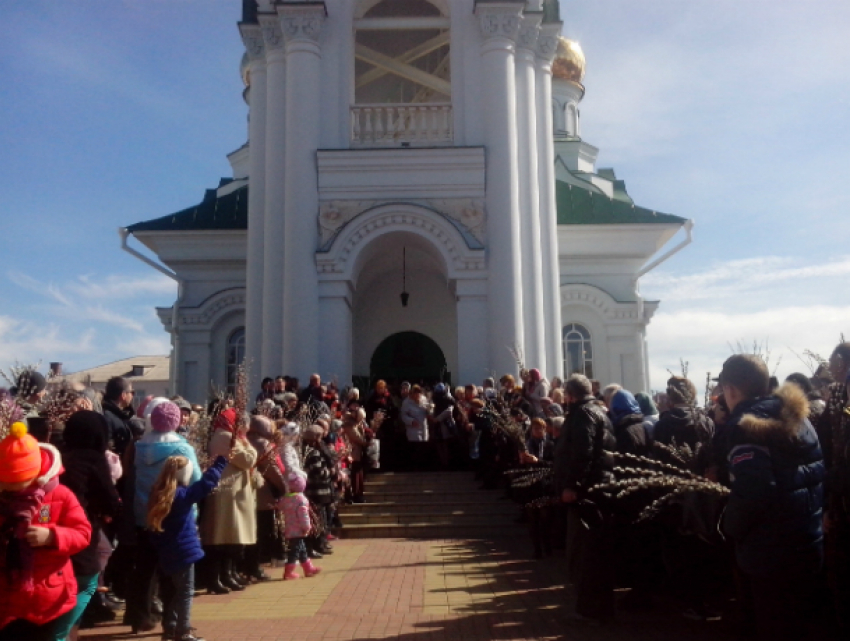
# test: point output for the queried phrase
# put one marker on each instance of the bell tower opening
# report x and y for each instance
(402, 72)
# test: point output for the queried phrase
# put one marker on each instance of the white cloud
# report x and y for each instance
(114, 286)
(85, 321)
(30, 343)
(771, 300)
(763, 275)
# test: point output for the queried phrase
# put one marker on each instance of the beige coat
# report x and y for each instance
(229, 515)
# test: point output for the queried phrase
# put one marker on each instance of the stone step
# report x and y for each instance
(425, 495)
(420, 478)
(436, 530)
(486, 505)
(452, 517)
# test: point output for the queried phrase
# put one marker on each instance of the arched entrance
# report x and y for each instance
(409, 356)
(372, 259)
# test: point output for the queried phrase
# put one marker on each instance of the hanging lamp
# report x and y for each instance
(404, 295)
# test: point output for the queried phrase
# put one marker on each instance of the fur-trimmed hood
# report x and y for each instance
(779, 416)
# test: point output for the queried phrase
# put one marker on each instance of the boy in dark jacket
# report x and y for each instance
(775, 511)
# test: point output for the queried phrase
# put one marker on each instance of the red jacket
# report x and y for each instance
(55, 585)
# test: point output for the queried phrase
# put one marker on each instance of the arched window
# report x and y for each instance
(235, 356)
(572, 119)
(578, 351)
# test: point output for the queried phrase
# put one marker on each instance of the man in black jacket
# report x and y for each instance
(580, 463)
(118, 410)
(774, 514)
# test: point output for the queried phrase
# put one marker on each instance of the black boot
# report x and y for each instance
(226, 577)
(213, 582)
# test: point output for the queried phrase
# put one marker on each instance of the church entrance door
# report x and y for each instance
(409, 356)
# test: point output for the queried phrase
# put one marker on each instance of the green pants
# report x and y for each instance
(86, 587)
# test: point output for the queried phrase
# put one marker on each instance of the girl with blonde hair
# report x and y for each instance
(170, 518)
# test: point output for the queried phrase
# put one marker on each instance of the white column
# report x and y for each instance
(499, 23)
(529, 194)
(547, 44)
(337, 355)
(472, 335)
(302, 25)
(271, 363)
(253, 40)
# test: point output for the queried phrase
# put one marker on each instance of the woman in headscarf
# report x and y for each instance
(535, 389)
(229, 517)
(628, 424)
(263, 436)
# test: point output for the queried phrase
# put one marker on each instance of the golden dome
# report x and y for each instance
(569, 62)
(245, 70)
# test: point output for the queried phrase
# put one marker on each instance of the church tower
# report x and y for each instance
(411, 204)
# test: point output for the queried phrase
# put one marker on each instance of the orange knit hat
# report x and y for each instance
(20, 456)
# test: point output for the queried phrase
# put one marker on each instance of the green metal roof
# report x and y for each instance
(212, 213)
(576, 206)
(580, 206)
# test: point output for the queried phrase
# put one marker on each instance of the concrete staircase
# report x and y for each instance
(429, 505)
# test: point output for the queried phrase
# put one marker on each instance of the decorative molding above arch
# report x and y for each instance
(206, 315)
(461, 261)
(363, 6)
(604, 304)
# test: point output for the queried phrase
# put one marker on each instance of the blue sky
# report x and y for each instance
(732, 113)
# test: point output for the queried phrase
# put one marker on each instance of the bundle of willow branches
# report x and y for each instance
(656, 483)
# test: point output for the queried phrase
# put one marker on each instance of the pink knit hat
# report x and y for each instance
(166, 417)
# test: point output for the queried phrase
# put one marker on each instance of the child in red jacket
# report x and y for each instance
(41, 526)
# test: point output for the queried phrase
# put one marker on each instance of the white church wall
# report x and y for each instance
(378, 314)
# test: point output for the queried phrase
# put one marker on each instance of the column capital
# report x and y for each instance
(499, 19)
(302, 21)
(252, 38)
(547, 41)
(271, 30)
(529, 31)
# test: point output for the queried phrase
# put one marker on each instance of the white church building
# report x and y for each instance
(414, 201)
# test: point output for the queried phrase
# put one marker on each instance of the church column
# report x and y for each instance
(547, 45)
(337, 355)
(532, 265)
(499, 23)
(302, 25)
(472, 321)
(271, 363)
(253, 40)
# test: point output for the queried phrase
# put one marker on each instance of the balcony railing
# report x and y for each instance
(397, 124)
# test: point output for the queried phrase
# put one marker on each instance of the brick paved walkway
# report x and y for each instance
(418, 591)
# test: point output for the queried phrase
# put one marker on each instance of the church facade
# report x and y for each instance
(414, 201)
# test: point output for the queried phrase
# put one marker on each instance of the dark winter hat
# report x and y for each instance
(183, 404)
(86, 430)
(30, 382)
(166, 417)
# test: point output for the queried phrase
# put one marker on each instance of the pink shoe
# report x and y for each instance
(331, 537)
(289, 572)
(309, 568)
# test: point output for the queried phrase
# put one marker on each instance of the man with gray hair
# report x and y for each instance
(580, 463)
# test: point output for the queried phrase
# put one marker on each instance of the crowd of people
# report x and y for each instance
(104, 504)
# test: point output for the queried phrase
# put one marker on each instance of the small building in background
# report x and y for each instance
(149, 375)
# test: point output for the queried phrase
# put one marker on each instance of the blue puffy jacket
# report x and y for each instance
(178, 545)
(150, 457)
(775, 511)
